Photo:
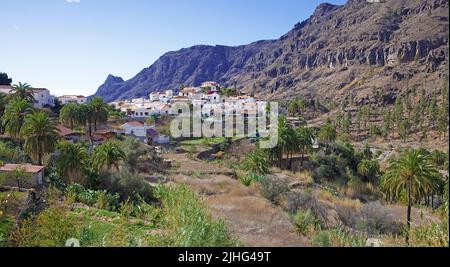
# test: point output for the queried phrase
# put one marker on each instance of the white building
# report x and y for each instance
(213, 86)
(213, 98)
(76, 99)
(154, 97)
(42, 96)
(161, 139)
(136, 128)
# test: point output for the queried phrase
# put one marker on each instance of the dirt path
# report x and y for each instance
(251, 218)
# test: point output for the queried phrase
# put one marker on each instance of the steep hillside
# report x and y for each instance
(340, 51)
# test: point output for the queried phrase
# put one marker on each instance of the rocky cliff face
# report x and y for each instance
(339, 51)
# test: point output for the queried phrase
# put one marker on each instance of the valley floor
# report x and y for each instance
(251, 218)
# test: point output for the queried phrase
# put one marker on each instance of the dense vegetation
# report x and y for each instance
(96, 194)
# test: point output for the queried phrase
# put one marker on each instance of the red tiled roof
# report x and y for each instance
(135, 123)
(64, 131)
(28, 167)
(39, 89)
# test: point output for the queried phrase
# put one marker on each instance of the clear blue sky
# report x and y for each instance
(70, 46)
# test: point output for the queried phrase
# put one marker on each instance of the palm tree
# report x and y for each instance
(291, 144)
(283, 136)
(69, 115)
(107, 155)
(305, 139)
(85, 117)
(327, 135)
(3, 104)
(412, 172)
(99, 111)
(14, 116)
(22, 90)
(369, 169)
(40, 135)
(293, 107)
(71, 162)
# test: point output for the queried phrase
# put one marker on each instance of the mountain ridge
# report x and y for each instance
(394, 41)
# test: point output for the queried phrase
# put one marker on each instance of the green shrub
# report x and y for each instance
(304, 221)
(100, 199)
(251, 178)
(322, 239)
(272, 189)
(51, 228)
(434, 235)
(256, 162)
(187, 221)
(339, 237)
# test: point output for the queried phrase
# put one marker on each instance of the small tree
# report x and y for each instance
(4, 79)
(20, 177)
(256, 162)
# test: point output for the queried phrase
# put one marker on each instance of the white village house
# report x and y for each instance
(42, 96)
(36, 173)
(76, 99)
(137, 129)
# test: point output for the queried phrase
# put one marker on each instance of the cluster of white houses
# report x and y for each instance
(208, 94)
(43, 97)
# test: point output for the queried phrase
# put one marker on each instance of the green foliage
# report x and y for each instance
(108, 155)
(4, 79)
(128, 185)
(100, 199)
(71, 163)
(98, 111)
(414, 173)
(23, 91)
(14, 116)
(327, 133)
(256, 162)
(51, 228)
(11, 153)
(339, 238)
(69, 115)
(369, 169)
(251, 178)
(40, 135)
(305, 221)
(19, 176)
(273, 189)
(434, 235)
(187, 221)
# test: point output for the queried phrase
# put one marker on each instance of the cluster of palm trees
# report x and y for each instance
(74, 163)
(290, 141)
(91, 114)
(297, 106)
(38, 135)
(33, 129)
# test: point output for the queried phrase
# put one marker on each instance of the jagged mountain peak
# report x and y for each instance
(339, 51)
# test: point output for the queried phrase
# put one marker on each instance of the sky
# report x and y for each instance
(70, 46)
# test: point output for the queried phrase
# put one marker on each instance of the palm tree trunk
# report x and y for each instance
(290, 161)
(39, 159)
(408, 214)
(303, 158)
(90, 128)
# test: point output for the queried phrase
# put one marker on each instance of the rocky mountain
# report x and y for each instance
(339, 52)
